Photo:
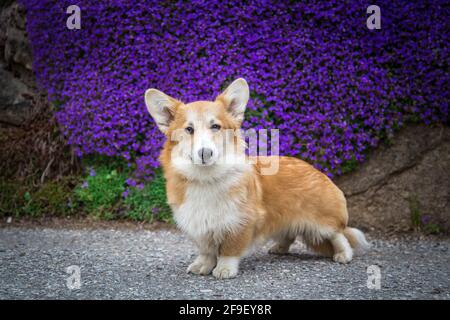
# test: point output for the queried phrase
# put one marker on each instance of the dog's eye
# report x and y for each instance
(215, 127)
(189, 130)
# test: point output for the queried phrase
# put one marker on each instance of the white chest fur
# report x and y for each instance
(209, 211)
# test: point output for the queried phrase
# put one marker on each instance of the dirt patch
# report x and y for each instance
(404, 186)
(82, 222)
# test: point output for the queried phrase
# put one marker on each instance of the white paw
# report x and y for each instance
(224, 272)
(278, 249)
(226, 268)
(202, 266)
(343, 257)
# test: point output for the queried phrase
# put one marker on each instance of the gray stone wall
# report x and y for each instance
(17, 86)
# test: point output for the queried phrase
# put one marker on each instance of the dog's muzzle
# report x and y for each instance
(205, 154)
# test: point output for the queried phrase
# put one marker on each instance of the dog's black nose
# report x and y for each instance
(205, 154)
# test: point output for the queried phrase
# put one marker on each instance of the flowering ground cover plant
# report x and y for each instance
(333, 87)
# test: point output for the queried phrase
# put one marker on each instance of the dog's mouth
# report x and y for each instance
(201, 162)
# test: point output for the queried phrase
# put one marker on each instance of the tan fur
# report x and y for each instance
(325, 248)
(351, 238)
(297, 201)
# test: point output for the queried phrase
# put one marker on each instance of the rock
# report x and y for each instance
(17, 82)
(16, 100)
(13, 37)
(410, 177)
(17, 48)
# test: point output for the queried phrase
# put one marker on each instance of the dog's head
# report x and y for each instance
(203, 135)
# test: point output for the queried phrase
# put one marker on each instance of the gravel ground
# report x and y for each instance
(141, 264)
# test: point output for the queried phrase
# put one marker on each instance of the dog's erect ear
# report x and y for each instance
(235, 98)
(161, 107)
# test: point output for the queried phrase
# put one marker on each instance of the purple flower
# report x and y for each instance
(334, 88)
(131, 182)
(85, 185)
(425, 219)
(156, 211)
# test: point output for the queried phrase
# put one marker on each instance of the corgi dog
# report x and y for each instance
(221, 197)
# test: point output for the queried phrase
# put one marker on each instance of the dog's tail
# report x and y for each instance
(357, 240)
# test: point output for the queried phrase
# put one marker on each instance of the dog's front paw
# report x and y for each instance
(224, 272)
(202, 266)
(227, 267)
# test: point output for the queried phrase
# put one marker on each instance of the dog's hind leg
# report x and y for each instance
(324, 248)
(282, 244)
(335, 245)
(343, 252)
